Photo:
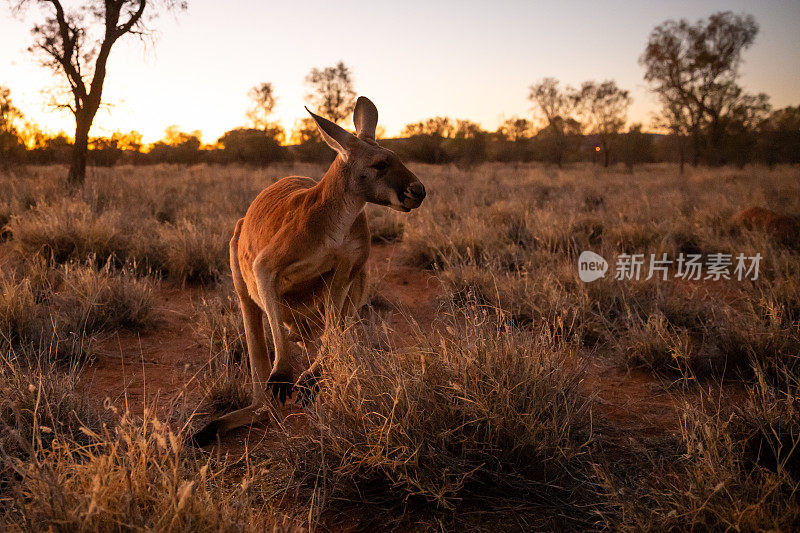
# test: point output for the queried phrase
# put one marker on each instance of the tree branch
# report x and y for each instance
(68, 45)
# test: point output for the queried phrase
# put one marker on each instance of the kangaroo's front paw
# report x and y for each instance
(280, 384)
(307, 387)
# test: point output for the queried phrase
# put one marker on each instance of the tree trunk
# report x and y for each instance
(77, 168)
(606, 158)
(696, 147)
(715, 140)
(681, 153)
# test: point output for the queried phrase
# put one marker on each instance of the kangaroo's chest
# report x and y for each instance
(315, 269)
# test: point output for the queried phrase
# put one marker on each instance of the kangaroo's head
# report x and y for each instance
(372, 172)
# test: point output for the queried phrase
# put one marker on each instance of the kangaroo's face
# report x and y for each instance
(379, 177)
(374, 173)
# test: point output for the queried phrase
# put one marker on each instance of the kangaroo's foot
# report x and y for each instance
(207, 435)
(281, 385)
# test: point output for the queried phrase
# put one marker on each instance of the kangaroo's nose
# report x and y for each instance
(417, 190)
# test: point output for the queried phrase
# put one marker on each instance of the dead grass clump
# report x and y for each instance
(195, 252)
(37, 403)
(538, 302)
(657, 344)
(766, 332)
(688, 331)
(19, 312)
(784, 229)
(226, 383)
(220, 324)
(61, 310)
(385, 226)
(70, 230)
(92, 300)
(738, 471)
(493, 419)
(127, 473)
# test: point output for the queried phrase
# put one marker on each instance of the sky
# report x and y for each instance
(414, 59)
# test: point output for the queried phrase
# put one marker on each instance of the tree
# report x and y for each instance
(177, 147)
(604, 107)
(637, 147)
(263, 97)
(694, 69)
(305, 130)
(515, 129)
(11, 145)
(255, 146)
(556, 105)
(779, 136)
(78, 44)
(434, 127)
(680, 121)
(332, 94)
(426, 138)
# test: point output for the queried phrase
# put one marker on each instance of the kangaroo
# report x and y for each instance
(300, 252)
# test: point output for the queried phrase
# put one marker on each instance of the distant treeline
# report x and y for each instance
(437, 141)
(692, 68)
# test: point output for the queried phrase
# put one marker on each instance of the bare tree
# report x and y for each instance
(263, 97)
(332, 94)
(556, 105)
(604, 108)
(694, 69)
(551, 100)
(78, 44)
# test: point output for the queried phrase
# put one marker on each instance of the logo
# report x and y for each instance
(591, 266)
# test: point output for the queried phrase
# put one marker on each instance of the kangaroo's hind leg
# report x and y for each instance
(260, 364)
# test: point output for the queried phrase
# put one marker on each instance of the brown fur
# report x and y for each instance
(298, 256)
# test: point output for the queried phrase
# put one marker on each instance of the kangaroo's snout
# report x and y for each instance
(414, 194)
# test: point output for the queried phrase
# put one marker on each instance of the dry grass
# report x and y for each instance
(510, 238)
(738, 468)
(485, 421)
(488, 426)
(63, 464)
(61, 310)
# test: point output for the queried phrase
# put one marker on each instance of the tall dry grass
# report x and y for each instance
(488, 419)
(510, 237)
(488, 426)
(69, 465)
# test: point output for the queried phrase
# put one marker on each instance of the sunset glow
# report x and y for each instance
(416, 61)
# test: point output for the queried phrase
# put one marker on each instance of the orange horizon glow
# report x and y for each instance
(416, 61)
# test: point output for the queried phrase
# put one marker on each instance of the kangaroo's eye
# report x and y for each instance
(380, 166)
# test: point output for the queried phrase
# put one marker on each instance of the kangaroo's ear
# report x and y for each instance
(335, 136)
(365, 118)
